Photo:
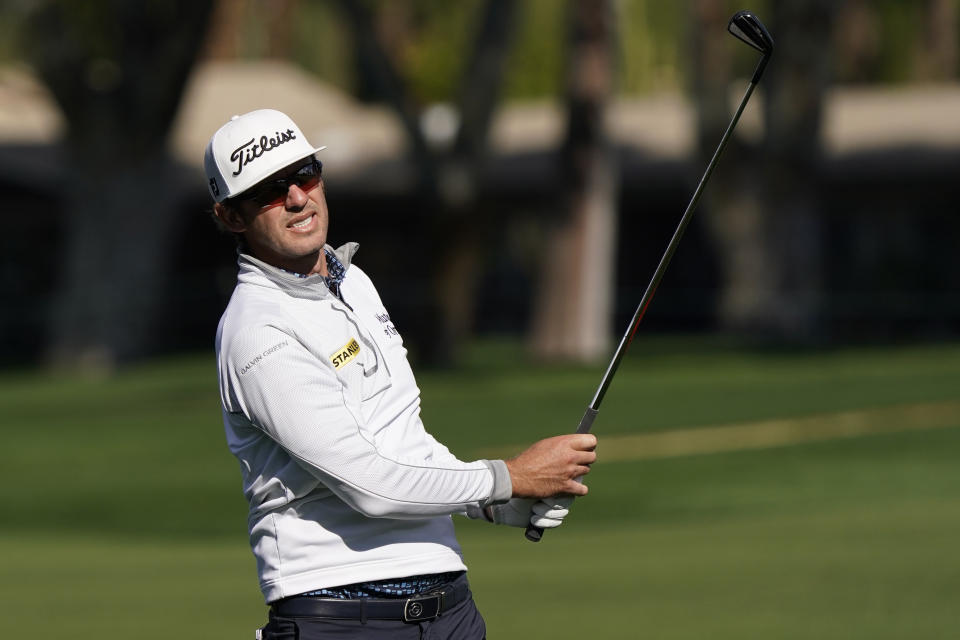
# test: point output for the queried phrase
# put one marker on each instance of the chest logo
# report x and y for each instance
(388, 329)
(345, 354)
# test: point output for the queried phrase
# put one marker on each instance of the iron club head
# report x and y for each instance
(747, 27)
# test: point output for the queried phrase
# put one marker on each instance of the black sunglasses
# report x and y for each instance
(274, 192)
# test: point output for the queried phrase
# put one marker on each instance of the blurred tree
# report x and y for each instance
(240, 29)
(117, 70)
(575, 300)
(448, 173)
(857, 40)
(896, 42)
(465, 234)
(379, 76)
(651, 45)
(889, 41)
(733, 210)
(936, 57)
(792, 167)
(764, 211)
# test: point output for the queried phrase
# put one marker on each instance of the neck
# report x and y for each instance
(319, 265)
(309, 265)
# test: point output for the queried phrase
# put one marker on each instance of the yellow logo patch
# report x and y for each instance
(345, 354)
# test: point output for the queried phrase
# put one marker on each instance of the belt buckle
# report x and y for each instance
(423, 607)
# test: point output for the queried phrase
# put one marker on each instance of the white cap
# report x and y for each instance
(251, 147)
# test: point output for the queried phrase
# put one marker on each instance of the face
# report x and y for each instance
(283, 218)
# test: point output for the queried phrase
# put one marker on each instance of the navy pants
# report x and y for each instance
(462, 622)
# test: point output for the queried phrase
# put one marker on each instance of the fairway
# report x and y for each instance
(130, 523)
(770, 433)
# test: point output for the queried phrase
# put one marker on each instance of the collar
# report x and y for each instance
(253, 271)
(335, 268)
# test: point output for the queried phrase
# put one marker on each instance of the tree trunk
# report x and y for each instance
(792, 164)
(120, 227)
(462, 233)
(732, 208)
(763, 203)
(448, 178)
(117, 69)
(936, 52)
(574, 301)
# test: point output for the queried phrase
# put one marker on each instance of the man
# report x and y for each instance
(350, 497)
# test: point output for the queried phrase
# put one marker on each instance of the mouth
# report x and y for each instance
(303, 223)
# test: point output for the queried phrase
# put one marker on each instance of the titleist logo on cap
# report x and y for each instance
(250, 151)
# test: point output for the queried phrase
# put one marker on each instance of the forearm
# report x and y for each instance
(380, 487)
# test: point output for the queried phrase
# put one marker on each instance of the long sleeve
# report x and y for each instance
(300, 402)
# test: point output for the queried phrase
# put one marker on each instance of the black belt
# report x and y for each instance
(423, 606)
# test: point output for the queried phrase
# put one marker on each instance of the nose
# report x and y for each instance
(296, 198)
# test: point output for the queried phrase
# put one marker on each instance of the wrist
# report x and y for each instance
(502, 489)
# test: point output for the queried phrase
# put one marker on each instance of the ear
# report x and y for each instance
(230, 217)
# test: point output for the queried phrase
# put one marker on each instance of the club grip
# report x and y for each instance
(534, 534)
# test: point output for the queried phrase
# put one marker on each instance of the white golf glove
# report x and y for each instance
(519, 512)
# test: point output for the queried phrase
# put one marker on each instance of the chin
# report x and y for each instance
(311, 249)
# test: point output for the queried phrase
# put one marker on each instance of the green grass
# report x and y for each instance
(121, 505)
(666, 384)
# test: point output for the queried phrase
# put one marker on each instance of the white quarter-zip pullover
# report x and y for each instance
(322, 410)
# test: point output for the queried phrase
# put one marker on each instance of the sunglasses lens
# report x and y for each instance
(308, 176)
(271, 193)
(274, 192)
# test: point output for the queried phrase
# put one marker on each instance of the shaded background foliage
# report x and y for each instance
(794, 245)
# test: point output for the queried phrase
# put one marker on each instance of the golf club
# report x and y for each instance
(747, 27)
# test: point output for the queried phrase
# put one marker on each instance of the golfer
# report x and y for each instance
(350, 497)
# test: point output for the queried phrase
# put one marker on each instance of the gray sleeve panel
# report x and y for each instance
(502, 484)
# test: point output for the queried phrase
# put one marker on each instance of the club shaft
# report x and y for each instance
(665, 260)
